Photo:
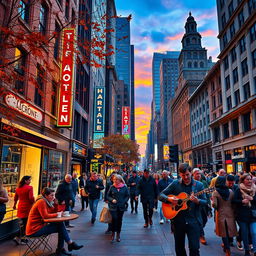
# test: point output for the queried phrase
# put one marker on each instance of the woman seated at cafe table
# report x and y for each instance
(44, 208)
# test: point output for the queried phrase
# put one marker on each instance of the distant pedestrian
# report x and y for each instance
(3, 200)
(75, 189)
(221, 172)
(225, 217)
(84, 195)
(245, 201)
(93, 186)
(24, 195)
(64, 195)
(132, 184)
(156, 177)
(163, 184)
(117, 196)
(147, 189)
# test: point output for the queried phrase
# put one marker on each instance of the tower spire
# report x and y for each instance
(189, 13)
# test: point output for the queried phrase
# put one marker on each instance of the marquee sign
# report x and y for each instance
(99, 115)
(65, 108)
(23, 107)
(126, 121)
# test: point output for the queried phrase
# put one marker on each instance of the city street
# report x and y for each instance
(135, 240)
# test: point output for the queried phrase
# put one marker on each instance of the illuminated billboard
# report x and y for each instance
(126, 121)
(65, 107)
(99, 114)
(166, 152)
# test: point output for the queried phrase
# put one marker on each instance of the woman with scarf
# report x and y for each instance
(245, 201)
(225, 218)
(44, 208)
(117, 197)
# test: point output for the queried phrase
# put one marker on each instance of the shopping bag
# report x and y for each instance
(83, 192)
(105, 215)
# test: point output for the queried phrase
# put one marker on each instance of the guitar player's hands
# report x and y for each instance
(194, 199)
(173, 200)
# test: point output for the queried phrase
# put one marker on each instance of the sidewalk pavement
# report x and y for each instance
(135, 240)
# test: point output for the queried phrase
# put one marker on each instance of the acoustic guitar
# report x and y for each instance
(170, 211)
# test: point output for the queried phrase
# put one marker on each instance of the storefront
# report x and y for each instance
(79, 162)
(26, 152)
(250, 153)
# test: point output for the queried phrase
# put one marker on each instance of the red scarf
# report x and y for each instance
(118, 186)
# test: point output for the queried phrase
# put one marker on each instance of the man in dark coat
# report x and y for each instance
(148, 191)
(93, 187)
(186, 222)
(132, 184)
(64, 194)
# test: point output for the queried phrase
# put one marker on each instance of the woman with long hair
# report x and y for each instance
(23, 194)
(83, 193)
(3, 200)
(225, 217)
(117, 197)
(245, 200)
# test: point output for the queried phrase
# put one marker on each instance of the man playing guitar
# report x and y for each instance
(187, 222)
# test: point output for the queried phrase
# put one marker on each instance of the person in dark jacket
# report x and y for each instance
(186, 222)
(84, 195)
(93, 186)
(147, 189)
(245, 201)
(132, 184)
(162, 184)
(117, 197)
(64, 194)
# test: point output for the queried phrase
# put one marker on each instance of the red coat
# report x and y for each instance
(26, 200)
(38, 213)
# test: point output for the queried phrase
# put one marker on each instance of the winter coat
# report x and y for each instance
(121, 196)
(224, 213)
(147, 189)
(131, 180)
(94, 193)
(64, 193)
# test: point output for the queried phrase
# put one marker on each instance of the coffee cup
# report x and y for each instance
(59, 214)
(66, 213)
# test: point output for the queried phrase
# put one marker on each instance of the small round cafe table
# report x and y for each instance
(72, 216)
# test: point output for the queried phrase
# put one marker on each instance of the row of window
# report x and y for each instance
(246, 126)
(200, 124)
(201, 138)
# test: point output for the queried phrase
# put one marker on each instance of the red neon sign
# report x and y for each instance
(65, 107)
(125, 120)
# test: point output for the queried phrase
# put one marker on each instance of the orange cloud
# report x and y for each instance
(176, 37)
(209, 32)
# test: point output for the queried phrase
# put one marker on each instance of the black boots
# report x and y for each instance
(118, 237)
(74, 246)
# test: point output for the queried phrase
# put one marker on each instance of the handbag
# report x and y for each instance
(82, 192)
(253, 211)
(105, 215)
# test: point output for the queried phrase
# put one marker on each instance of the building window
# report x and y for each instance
(39, 89)
(216, 134)
(251, 6)
(226, 64)
(221, 3)
(67, 9)
(229, 103)
(235, 75)
(24, 10)
(225, 40)
(57, 41)
(43, 19)
(242, 45)
(84, 138)
(201, 64)
(254, 58)
(227, 82)
(213, 86)
(220, 98)
(232, 30)
(247, 121)
(241, 18)
(233, 54)
(77, 126)
(237, 97)
(19, 67)
(54, 98)
(226, 131)
(235, 127)
(223, 20)
(213, 102)
(230, 9)
(253, 32)
(189, 64)
(195, 64)
(244, 67)
(247, 92)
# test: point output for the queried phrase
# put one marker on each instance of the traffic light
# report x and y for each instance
(174, 153)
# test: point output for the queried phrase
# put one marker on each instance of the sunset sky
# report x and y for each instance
(156, 26)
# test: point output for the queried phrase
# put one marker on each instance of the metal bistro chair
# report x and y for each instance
(34, 243)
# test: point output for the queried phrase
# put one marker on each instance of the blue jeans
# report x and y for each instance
(93, 204)
(161, 214)
(57, 227)
(245, 229)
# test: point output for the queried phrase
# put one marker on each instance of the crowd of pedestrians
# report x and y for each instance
(230, 199)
